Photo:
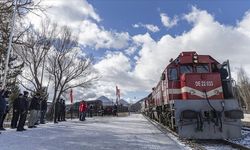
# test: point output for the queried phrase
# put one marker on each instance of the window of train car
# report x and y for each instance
(202, 68)
(186, 69)
(172, 74)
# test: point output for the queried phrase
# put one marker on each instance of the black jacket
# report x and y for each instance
(2, 104)
(34, 104)
(23, 104)
(16, 103)
(44, 105)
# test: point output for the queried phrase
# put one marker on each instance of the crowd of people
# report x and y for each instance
(31, 109)
(90, 110)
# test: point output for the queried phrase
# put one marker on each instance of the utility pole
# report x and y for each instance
(6, 69)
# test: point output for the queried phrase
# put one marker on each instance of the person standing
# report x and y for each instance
(43, 110)
(15, 114)
(34, 106)
(23, 106)
(5, 113)
(82, 110)
(114, 110)
(2, 105)
(63, 111)
(57, 110)
(224, 74)
(5, 109)
(91, 109)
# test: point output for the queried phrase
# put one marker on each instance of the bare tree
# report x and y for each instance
(33, 51)
(243, 87)
(23, 7)
(67, 66)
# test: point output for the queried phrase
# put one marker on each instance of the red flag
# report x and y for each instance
(71, 96)
(117, 92)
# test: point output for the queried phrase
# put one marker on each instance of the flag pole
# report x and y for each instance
(71, 107)
(6, 69)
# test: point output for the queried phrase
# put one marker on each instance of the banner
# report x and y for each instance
(117, 95)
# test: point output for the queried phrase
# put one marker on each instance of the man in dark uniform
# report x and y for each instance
(23, 110)
(224, 74)
(16, 114)
(91, 109)
(63, 110)
(34, 107)
(43, 110)
(5, 110)
(2, 105)
(114, 110)
(59, 111)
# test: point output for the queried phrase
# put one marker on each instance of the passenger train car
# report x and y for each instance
(195, 98)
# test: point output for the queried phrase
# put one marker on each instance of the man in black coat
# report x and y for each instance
(16, 114)
(59, 110)
(34, 107)
(63, 110)
(224, 74)
(43, 110)
(23, 105)
(4, 107)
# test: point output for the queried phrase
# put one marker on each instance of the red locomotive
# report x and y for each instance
(195, 98)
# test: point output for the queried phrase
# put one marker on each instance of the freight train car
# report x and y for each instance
(195, 98)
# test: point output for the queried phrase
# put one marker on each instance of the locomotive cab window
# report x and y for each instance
(172, 74)
(202, 68)
(186, 69)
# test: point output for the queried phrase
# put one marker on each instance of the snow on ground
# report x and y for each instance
(246, 118)
(99, 133)
(245, 139)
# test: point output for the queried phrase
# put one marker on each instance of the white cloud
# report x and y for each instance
(149, 27)
(82, 18)
(115, 69)
(136, 25)
(243, 26)
(131, 50)
(167, 21)
(206, 36)
(152, 28)
(92, 35)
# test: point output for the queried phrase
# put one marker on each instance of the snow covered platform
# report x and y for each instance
(99, 133)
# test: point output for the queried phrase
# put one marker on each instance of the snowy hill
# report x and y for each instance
(105, 101)
(124, 103)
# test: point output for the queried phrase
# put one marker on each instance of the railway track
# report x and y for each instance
(202, 144)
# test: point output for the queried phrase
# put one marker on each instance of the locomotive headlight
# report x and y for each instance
(195, 59)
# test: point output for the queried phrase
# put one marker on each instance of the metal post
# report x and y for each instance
(6, 69)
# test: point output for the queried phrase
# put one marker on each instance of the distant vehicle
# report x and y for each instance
(195, 98)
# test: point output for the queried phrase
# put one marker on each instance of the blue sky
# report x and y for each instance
(121, 14)
(133, 40)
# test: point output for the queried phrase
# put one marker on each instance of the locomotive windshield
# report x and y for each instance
(173, 74)
(202, 68)
(186, 69)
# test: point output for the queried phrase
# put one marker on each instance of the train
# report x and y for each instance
(195, 98)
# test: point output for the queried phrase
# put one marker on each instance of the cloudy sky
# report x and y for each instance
(132, 41)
